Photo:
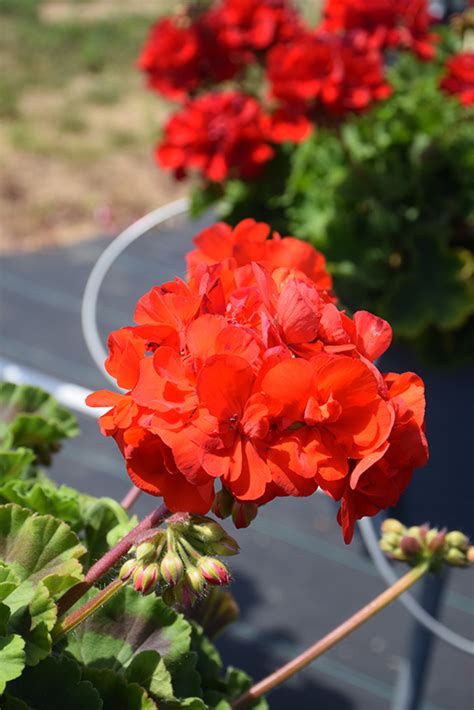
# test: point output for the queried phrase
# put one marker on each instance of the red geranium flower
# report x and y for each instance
(382, 24)
(327, 72)
(179, 56)
(249, 241)
(459, 79)
(249, 375)
(255, 25)
(217, 135)
(378, 481)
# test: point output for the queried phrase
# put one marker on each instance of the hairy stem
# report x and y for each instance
(130, 498)
(76, 617)
(346, 628)
(111, 558)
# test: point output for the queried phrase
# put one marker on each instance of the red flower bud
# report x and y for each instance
(410, 546)
(243, 513)
(145, 579)
(222, 505)
(214, 571)
(172, 568)
(128, 569)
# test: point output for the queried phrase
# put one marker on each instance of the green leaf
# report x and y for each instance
(62, 502)
(119, 531)
(14, 464)
(99, 517)
(55, 684)
(127, 625)
(40, 548)
(115, 692)
(9, 703)
(12, 658)
(442, 299)
(33, 419)
(149, 670)
(187, 704)
(33, 616)
(237, 682)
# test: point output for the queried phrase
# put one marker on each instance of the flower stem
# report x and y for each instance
(130, 498)
(111, 558)
(320, 647)
(76, 617)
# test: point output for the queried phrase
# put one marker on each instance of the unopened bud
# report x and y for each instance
(128, 569)
(172, 568)
(214, 571)
(470, 555)
(226, 547)
(455, 557)
(208, 532)
(390, 525)
(410, 546)
(414, 531)
(457, 539)
(194, 580)
(436, 543)
(222, 505)
(392, 539)
(243, 513)
(184, 595)
(146, 552)
(145, 579)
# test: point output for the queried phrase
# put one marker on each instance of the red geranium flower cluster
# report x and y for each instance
(180, 55)
(383, 24)
(250, 376)
(459, 79)
(253, 26)
(328, 69)
(222, 134)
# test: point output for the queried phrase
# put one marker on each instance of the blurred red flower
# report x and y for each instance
(459, 79)
(251, 26)
(327, 72)
(217, 135)
(383, 24)
(179, 56)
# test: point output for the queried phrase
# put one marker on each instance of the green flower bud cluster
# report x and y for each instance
(179, 562)
(422, 543)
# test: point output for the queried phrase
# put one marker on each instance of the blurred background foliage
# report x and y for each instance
(76, 125)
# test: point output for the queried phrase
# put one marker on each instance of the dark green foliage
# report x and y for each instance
(135, 652)
(389, 199)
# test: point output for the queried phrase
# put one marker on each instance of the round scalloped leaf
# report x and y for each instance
(12, 658)
(214, 612)
(128, 624)
(45, 499)
(14, 464)
(26, 399)
(40, 548)
(55, 684)
(115, 692)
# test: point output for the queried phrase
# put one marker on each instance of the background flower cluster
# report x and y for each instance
(354, 134)
(252, 74)
(248, 375)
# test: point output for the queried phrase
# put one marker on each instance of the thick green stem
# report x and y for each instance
(308, 656)
(76, 617)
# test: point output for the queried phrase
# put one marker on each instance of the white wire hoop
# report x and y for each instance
(99, 354)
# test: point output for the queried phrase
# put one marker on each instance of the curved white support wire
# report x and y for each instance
(98, 354)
